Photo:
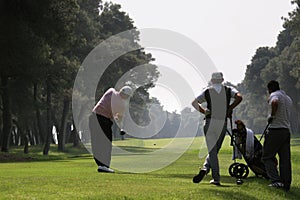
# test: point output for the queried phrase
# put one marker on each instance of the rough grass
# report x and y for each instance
(73, 175)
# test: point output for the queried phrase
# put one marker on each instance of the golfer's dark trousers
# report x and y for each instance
(101, 139)
(278, 141)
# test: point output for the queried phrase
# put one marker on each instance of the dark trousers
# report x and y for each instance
(101, 139)
(278, 141)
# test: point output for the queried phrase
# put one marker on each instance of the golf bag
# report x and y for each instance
(254, 162)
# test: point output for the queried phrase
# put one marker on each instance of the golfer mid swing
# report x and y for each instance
(111, 107)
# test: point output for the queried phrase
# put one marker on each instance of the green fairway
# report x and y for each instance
(74, 175)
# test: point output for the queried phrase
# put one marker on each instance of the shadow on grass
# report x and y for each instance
(12, 158)
(225, 179)
(35, 154)
(230, 182)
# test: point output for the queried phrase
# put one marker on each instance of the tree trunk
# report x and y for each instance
(38, 114)
(7, 124)
(35, 135)
(31, 135)
(55, 123)
(48, 119)
(76, 139)
(68, 132)
(14, 137)
(62, 130)
(25, 138)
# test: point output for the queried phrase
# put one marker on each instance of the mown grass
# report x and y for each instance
(74, 175)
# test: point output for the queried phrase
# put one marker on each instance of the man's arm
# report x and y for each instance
(198, 106)
(120, 121)
(237, 100)
(274, 108)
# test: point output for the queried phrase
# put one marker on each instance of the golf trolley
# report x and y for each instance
(240, 170)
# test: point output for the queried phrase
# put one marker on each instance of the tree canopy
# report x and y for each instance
(43, 45)
(281, 63)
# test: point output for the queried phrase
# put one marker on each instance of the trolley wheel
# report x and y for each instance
(240, 171)
(231, 167)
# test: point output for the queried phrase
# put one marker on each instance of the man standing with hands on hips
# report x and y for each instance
(219, 107)
(277, 140)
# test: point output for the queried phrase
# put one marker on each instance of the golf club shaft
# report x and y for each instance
(262, 135)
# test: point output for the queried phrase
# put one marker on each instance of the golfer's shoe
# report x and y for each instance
(105, 169)
(277, 185)
(200, 176)
(215, 182)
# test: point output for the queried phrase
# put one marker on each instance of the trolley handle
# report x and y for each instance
(264, 133)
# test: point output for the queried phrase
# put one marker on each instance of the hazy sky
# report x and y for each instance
(229, 31)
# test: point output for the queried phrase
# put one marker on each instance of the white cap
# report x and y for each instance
(217, 76)
(126, 90)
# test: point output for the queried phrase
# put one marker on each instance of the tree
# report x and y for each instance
(43, 45)
(254, 90)
(21, 50)
(280, 63)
